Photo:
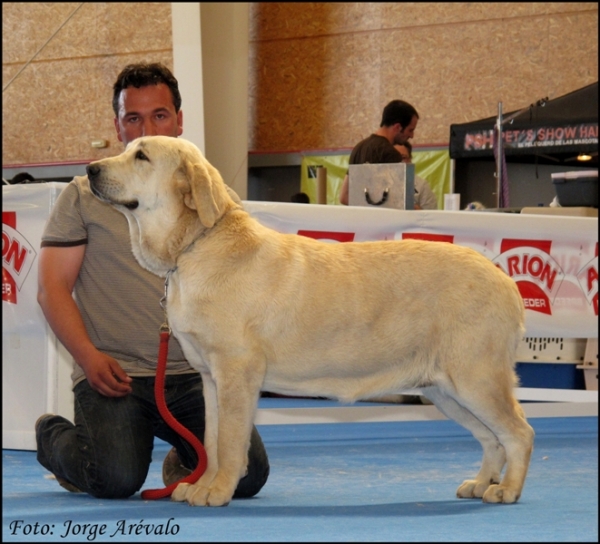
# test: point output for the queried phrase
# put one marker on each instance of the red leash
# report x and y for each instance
(159, 393)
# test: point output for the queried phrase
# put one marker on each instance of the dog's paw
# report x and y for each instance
(197, 495)
(218, 498)
(179, 493)
(501, 493)
(472, 489)
(203, 496)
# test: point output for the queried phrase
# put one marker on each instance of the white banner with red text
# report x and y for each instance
(553, 259)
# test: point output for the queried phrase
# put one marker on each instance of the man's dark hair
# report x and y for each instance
(142, 75)
(398, 111)
(301, 198)
(22, 177)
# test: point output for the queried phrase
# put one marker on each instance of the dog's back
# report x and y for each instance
(385, 315)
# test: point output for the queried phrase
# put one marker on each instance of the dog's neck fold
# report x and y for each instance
(202, 231)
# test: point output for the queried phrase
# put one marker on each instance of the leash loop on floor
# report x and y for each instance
(159, 394)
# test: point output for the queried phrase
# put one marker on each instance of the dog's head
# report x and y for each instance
(169, 193)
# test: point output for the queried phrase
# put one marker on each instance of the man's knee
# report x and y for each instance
(258, 469)
(114, 487)
(114, 484)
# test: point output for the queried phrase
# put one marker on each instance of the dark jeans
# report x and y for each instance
(107, 453)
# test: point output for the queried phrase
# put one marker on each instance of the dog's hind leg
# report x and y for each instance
(492, 402)
(505, 417)
(493, 452)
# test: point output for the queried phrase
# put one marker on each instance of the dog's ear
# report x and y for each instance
(208, 195)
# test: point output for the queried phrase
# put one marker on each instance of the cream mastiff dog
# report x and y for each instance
(255, 309)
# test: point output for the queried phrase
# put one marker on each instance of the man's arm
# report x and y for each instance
(427, 198)
(57, 274)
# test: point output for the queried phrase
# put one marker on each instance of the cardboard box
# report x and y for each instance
(382, 185)
(551, 350)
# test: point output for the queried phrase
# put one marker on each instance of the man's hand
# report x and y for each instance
(106, 376)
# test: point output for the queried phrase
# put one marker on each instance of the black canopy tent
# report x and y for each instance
(547, 132)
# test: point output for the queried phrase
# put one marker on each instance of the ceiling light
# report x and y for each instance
(584, 157)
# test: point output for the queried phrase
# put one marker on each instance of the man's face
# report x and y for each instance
(147, 111)
(406, 133)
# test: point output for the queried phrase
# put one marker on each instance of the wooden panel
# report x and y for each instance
(62, 100)
(321, 73)
(278, 21)
(95, 29)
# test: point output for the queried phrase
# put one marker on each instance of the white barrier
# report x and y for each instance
(36, 368)
(552, 259)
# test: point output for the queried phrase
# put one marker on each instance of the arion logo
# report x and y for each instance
(18, 257)
(327, 236)
(588, 281)
(537, 275)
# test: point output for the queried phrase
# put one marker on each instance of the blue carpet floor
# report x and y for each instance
(363, 482)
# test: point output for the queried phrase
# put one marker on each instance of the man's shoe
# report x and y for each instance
(61, 481)
(173, 470)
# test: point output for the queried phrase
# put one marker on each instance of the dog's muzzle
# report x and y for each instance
(93, 172)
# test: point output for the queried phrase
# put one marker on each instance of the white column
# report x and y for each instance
(210, 56)
(225, 70)
(187, 68)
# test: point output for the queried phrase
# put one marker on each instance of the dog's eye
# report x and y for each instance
(140, 155)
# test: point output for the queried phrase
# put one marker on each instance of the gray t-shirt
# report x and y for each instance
(119, 301)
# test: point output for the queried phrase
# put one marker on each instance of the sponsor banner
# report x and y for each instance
(18, 256)
(35, 368)
(553, 259)
(588, 281)
(527, 138)
(25, 210)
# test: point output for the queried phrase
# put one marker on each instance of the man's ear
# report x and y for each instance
(179, 123)
(208, 195)
(118, 129)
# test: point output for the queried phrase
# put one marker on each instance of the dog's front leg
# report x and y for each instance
(237, 384)
(196, 494)
(231, 396)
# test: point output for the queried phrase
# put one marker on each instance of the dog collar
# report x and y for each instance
(163, 302)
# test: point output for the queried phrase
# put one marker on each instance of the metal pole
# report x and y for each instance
(499, 155)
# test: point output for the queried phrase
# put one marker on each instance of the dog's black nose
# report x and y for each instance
(92, 170)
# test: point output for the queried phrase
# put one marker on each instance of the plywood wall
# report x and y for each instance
(321, 73)
(62, 100)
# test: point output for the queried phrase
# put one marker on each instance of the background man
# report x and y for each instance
(398, 124)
